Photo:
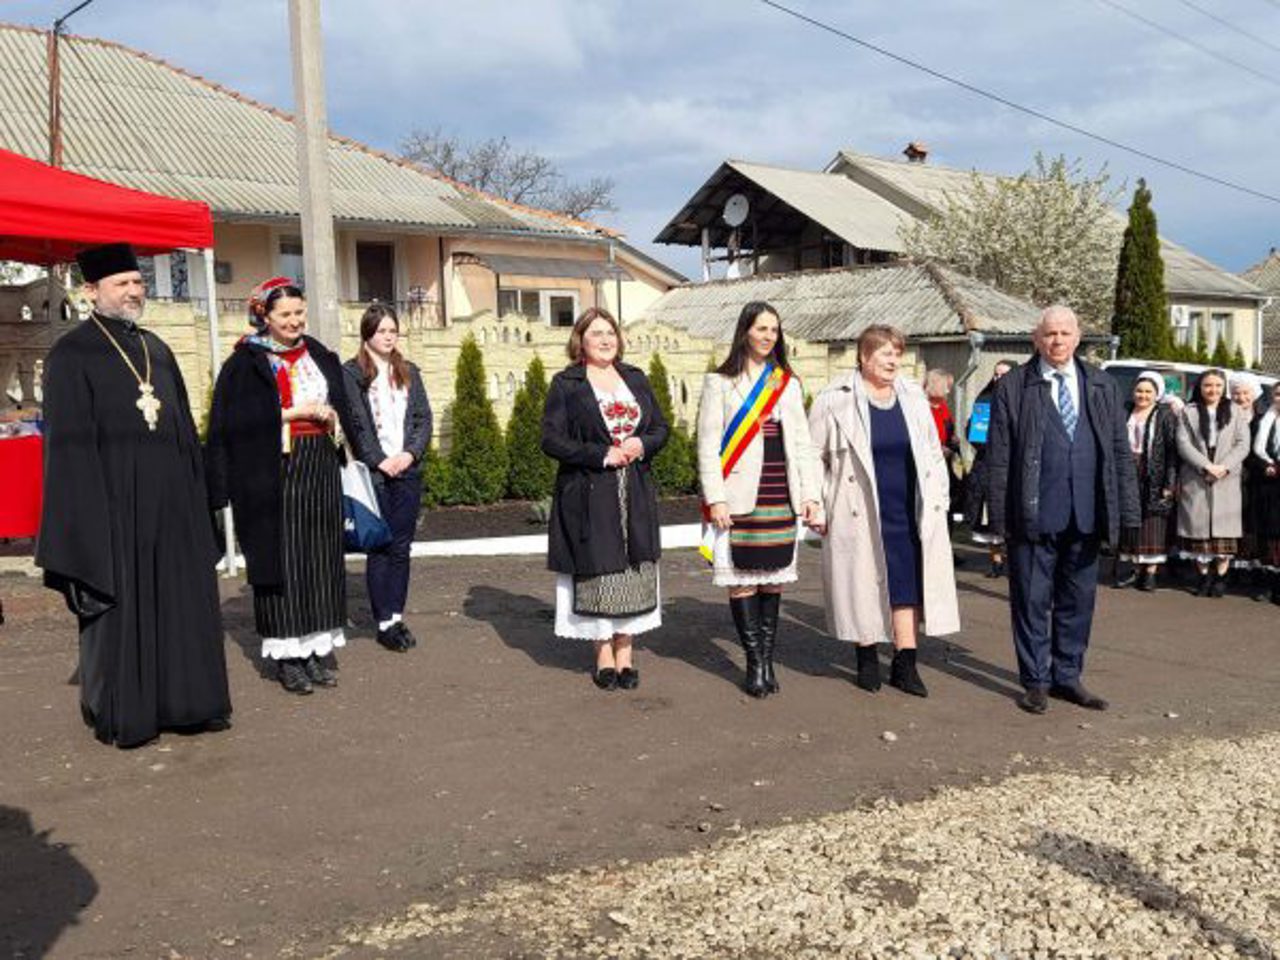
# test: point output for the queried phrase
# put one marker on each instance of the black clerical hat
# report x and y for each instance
(105, 261)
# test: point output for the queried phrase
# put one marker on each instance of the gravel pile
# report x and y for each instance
(1178, 858)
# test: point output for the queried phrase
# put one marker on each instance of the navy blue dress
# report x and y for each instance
(896, 486)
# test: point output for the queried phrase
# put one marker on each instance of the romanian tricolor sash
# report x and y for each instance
(742, 429)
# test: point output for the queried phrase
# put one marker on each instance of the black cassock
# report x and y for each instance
(126, 537)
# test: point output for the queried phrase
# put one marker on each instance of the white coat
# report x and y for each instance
(721, 399)
(854, 572)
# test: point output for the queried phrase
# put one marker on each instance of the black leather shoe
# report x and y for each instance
(391, 639)
(407, 639)
(293, 677)
(1147, 582)
(903, 674)
(868, 668)
(605, 679)
(628, 678)
(1034, 700)
(996, 571)
(1077, 693)
(1204, 585)
(318, 672)
(1218, 588)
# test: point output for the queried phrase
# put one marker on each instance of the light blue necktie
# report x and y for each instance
(1066, 408)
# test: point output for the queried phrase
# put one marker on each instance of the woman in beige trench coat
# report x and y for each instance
(859, 551)
(1213, 441)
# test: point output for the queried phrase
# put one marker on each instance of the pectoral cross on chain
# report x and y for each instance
(148, 404)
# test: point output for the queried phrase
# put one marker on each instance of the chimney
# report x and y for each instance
(916, 152)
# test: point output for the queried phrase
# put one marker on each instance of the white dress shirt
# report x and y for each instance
(1071, 379)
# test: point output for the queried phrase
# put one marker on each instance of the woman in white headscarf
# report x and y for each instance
(1153, 439)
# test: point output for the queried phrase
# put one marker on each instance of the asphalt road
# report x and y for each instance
(486, 754)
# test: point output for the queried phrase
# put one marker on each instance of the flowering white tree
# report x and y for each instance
(1050, 235)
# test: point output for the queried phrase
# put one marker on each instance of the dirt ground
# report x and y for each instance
(487, 753)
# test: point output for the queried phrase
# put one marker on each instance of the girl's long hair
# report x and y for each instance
(1223, 414)
(736, 362)
(369, 323)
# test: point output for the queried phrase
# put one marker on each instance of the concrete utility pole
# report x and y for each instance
(318, 255)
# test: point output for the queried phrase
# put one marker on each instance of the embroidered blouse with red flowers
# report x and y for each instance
(300, 382)
(620, 410)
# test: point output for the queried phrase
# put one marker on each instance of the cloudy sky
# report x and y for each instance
(656, 93)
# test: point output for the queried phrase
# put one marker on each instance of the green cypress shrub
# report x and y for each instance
(437, 480)
(675, 467)
(1221, 356)
(1237, 359)
(1141, 312)
(1202, 349)
(477, 453)
(531, 474)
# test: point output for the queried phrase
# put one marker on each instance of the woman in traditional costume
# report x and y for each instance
(758, 472)
(602, 423)
(279, 413)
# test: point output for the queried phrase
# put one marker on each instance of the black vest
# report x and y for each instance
(1068, 471)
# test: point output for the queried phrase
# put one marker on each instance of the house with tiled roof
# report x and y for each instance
(448, 255)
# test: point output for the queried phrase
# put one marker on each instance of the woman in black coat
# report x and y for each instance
(1153, 439)
(279, 408)
(603, 424)
(392, 430)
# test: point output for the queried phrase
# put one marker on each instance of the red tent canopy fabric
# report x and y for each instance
(47, 215)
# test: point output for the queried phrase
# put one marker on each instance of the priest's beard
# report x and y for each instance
(127, 311)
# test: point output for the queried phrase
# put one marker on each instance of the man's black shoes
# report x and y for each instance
(1077, 693)
(1034, 700)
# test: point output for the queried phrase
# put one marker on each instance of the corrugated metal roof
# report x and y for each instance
(835, 305)
(850, 211)
(929, 185)
(134, 120)
(514, 266)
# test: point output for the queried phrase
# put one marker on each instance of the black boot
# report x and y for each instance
(1258, 585)
(770, 605)
(1218, 587)
(1204, 584)
(1147, 581)
(903, 675)
(868, 668)
(746, 617)
(293, 676)
(1275, 587)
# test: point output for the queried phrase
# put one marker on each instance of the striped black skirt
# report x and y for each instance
(765, 539)
(313, 596)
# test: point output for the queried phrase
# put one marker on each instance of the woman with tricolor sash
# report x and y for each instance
(759, 472)
(887, 567)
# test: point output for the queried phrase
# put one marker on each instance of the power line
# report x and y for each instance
(1207, 51)
(1029, 111)
(1229, 25)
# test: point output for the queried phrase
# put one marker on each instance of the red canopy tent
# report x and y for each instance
(47, 215)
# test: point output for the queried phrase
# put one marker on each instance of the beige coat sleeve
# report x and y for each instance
(796, 422)
(1238, 443)
(710, 429)
(1187, 449)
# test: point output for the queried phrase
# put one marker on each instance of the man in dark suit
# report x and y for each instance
(1062, 479)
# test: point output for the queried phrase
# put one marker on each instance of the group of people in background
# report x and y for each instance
(1062, 464)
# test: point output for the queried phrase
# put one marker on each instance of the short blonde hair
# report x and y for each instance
(588, 317)
(937, 383)
(876, 336)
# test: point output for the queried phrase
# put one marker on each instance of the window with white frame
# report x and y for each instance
(1194, 330)
(289, 256)
(559, 308)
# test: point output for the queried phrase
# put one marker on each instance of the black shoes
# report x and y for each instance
(1075, 692)
(606, 678)
(770, 605)
(1034, 700)
(628, 678)
(746, 618)
(1147, 581)
(319, 672)
(1218, 588)
(903, 674)
(1204, 585)
(868, 667)
(397, 638)
(293, 676)
(996, 570)
(1125, 576)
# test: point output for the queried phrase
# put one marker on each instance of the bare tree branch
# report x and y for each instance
(497, 167)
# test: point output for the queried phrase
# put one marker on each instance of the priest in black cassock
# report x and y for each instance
(126, 535)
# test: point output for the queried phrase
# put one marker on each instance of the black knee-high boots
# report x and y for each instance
(746, 618)
(770, 607)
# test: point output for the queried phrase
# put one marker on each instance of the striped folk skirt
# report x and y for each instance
(1148, 543)
(760, 547)
(308, 611)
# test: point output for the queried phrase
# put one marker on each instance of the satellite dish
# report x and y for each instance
(735, 210)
